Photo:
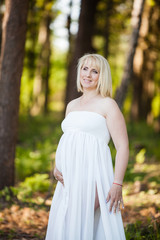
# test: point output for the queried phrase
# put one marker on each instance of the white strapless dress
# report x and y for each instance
(84, 158)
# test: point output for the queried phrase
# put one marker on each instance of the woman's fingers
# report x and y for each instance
(112, 203)
(58, 175)
(108, 197)
(115, 206)
(115, 198)
(119, 205)
(56, 171)
(60, 178)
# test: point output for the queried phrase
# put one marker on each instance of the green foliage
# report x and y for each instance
(138, 231)
(25, 190)
(7, 193)
(35, 183)
(58, 72)
(151, 2)
(143, 136)
(37, 142)
(140, 157)
(29, 162)
(154, 180)
(156, 106)
(144, 149)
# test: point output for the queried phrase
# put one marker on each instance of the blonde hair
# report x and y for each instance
(104, 86)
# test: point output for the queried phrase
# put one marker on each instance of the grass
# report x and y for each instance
(138, 231)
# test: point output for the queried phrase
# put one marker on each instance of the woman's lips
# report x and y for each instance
(87, 80)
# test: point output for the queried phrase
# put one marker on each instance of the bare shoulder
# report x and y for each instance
(110, 106)
(71, 105)
(110, 103)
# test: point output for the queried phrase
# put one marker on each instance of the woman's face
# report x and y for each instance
(89, 76)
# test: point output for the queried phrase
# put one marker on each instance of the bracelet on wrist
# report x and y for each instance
(117, 184)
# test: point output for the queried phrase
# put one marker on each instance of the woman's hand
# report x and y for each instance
(58, 175)
(115, 198)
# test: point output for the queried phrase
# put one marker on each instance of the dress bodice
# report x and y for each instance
(89, 122)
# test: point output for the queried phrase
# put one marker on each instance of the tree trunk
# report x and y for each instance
(107, 27)
(83, 44)
(41, 82)
(1, 17)
(12, 54)
(128, 71)
(145, 63)
(47, 68)
(70, 37)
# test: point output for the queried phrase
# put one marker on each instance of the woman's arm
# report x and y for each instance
(117, 128)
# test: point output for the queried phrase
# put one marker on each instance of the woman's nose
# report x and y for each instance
(88, 73)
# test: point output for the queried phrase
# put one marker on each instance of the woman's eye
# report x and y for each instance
(84, 68)
(95, 71)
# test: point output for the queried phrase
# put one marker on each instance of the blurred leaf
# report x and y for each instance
(140, 157)
(156, 106)
(35, 183)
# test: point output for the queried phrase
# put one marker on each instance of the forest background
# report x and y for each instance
(41, 41)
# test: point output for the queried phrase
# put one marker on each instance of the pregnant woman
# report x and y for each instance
(88, 197)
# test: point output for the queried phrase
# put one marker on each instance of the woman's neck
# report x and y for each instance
(89, 94)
